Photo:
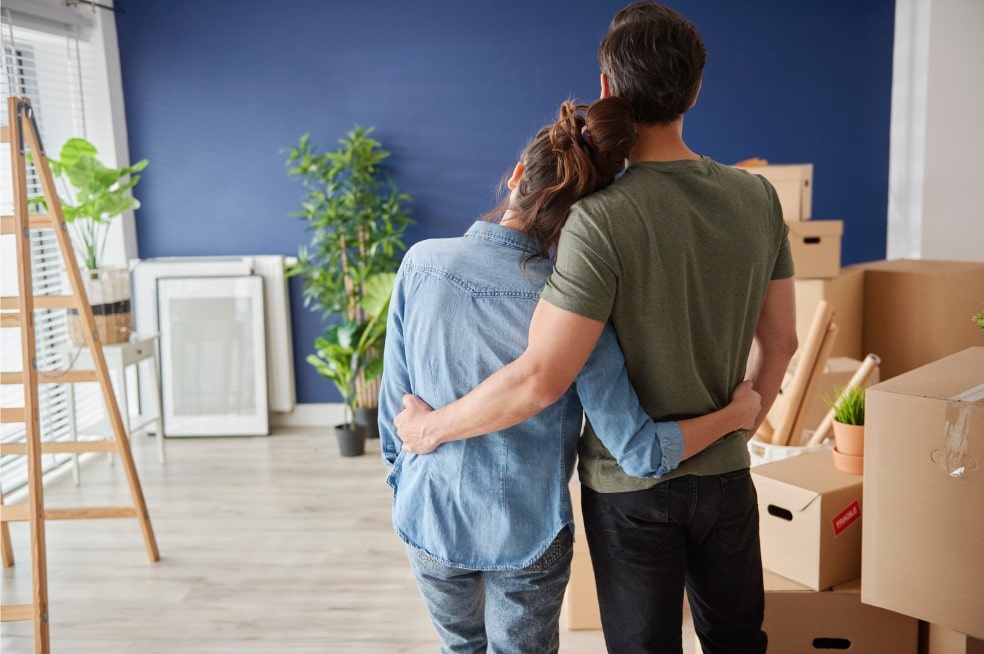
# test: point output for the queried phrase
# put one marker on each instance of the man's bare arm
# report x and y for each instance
(559, 344)
(775, 339)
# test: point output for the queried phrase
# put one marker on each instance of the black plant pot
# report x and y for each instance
(351, 442)
(368, 418)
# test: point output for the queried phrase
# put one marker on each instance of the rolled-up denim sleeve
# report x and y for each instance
(642, 447)
(396, 375)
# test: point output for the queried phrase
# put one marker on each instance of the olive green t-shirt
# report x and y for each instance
(678, 255)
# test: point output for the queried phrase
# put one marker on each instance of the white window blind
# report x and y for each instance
(63, 74)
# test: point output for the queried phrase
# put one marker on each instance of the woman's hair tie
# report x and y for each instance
(586, 137)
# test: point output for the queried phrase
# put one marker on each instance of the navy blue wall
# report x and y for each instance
(215, 90)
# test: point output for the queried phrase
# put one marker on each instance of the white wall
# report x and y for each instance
(936, 193)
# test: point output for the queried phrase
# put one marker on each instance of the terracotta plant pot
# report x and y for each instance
(848, 463)
(849, 448)
(849, 439)
(351, 442)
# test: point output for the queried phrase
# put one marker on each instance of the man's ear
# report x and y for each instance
(606, 91)
(517, 175)
(694, 101)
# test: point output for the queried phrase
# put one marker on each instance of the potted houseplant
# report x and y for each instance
(356, 218)
(91, 195)
(848, 428)
(978, 319)
(349, 349)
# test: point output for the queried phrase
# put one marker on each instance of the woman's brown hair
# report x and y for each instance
(577, 155)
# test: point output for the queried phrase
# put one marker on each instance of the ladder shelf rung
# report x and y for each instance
(62, 447)
(11, 414)
(10, 302)
(16, 612)
(21, 513)
(8, 224)
(52, 377)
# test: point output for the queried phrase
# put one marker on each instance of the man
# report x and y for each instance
(690, 261)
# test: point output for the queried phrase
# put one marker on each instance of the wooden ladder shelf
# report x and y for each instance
(18, 312)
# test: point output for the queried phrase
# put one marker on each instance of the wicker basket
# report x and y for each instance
(108, 290)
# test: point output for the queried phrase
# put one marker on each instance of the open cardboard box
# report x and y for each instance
(837, 372)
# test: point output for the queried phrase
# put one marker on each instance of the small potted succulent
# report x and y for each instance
(848, 427)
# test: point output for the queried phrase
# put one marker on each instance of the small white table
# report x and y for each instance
(142, 348)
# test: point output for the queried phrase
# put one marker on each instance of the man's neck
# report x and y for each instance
(661, 143)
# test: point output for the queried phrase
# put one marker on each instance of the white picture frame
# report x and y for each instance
(213, 356)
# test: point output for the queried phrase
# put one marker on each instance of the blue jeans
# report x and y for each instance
(496, 611)
(698, 532)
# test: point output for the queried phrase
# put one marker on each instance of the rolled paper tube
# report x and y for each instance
(795, 433)
(765, 431)
(860, 377)
(807, 357)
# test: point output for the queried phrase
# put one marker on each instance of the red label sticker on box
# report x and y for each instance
(846, 518)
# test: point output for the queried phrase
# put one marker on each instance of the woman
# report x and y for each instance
(487, 521)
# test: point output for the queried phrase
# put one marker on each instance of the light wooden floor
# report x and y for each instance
(273, 544)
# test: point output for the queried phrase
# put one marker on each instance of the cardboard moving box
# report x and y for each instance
(801, 621)
(794, 186)
(809, 519)
(816, 248)
(845, 294)
(918, 311)
(937, 639)
(923, 530)
(580, 609)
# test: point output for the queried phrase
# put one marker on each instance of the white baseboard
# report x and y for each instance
(326, 414)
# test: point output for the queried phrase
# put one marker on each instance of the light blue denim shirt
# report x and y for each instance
(461, 310)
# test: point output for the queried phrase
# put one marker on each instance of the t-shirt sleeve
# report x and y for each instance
(784, 260)
(783, 267)
(585, 276)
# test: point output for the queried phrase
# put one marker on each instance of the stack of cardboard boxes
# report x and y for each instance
(912, 527)
(922, 554)
(810, 517)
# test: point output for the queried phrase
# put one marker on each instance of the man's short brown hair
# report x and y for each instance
(653, 58)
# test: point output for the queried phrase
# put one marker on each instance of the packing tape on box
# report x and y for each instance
(953, 458)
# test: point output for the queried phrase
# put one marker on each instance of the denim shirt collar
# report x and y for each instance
(503, 236)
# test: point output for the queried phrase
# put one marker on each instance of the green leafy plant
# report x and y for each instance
(979, 319)
(848, 405)
(91, 195)
(349, 348)
(356, 218)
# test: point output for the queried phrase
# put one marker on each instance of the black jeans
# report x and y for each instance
(701, 532)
